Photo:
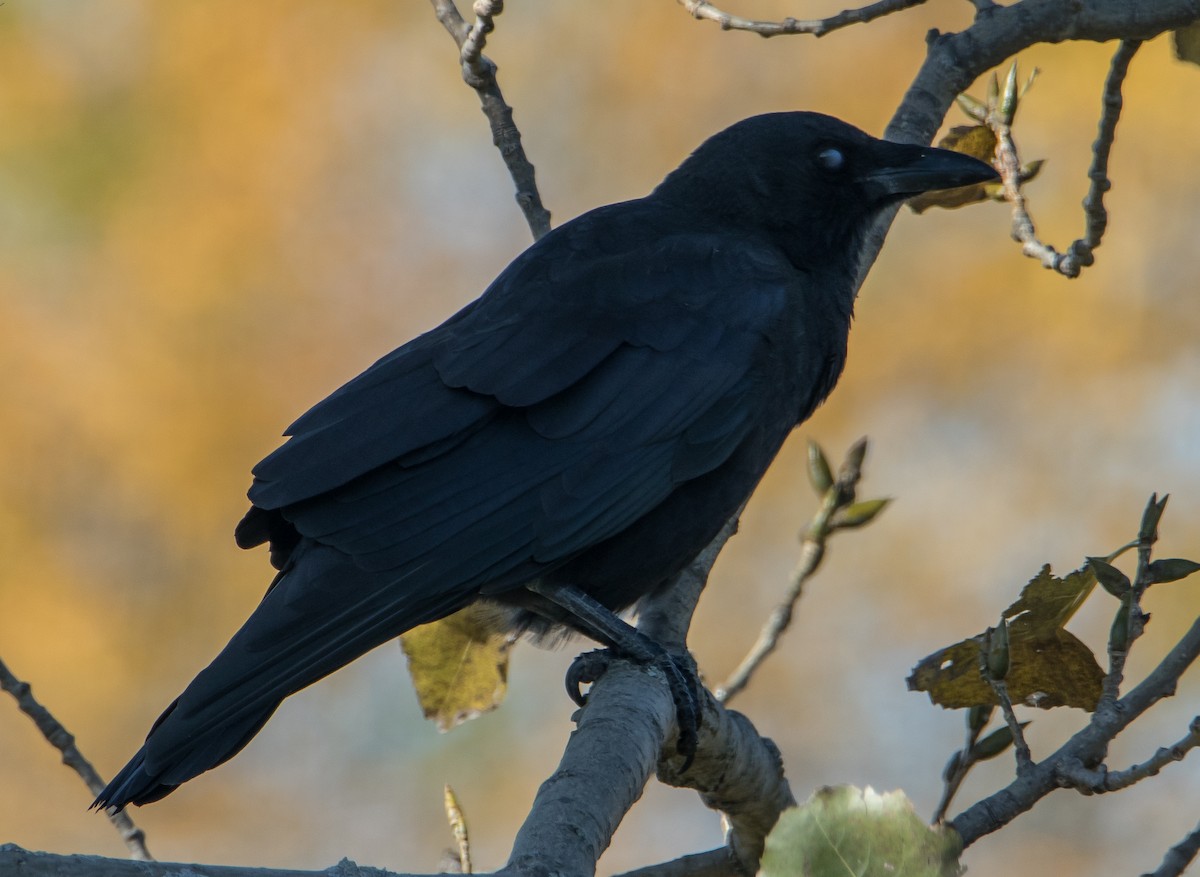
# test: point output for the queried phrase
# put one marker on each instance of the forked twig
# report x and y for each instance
(837, 511)
(999, 118)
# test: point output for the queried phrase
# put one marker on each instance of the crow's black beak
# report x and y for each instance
(904, 170)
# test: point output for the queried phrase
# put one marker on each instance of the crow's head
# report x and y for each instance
(810, 182)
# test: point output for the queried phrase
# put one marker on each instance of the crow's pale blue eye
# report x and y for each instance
(831, 158)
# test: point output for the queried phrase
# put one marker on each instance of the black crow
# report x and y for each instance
(568, 442)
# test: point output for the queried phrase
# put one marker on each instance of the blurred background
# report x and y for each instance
(212, 214)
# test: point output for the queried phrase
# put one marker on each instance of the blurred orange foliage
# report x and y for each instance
(211, 214)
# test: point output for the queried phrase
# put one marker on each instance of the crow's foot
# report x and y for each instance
(584, 670)
(682, 678)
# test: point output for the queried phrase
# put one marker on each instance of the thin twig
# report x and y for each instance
(1093, 204)
(1120, 779)
(479, 72)
(1179, 856)
(812, 550)
(64, 742)
(952, 779)
(458, 825)
(818, 27)
(1135, 624)
(1020, 746)
(1099, 780)
(1081, 253)
(962, 761)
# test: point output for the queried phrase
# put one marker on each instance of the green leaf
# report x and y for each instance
(994, 743)
(1053, 600)
(1030, 170)
(977, 141)
(1171, 569)
(978, 716)
(1118, 634)
(1011, 97)
(1186, 41)
(458, 665)
(848, 832)
(857, 454)
(1110, 578)
(820, 476)
(861, 513)
(974, 108)
(952, 766)
(1151, 517)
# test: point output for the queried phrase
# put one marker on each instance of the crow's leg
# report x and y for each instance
(603, 625)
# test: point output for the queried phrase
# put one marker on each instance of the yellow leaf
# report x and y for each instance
(977, 141)
(1048, 666)
(459, 666)
(1186, 41)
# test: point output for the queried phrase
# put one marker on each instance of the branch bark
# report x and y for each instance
(1087, 747)
(479, 72)
(64, 741)
(817, 27)
(954, 60)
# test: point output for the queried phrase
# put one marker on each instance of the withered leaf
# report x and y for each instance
(458, 665)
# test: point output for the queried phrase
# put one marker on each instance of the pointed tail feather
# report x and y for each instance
(323, 613)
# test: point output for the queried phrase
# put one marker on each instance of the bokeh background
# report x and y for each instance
(212, 214)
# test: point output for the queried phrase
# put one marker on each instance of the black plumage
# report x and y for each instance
(588, 424)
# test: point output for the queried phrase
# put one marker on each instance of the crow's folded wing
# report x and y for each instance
(549, 415)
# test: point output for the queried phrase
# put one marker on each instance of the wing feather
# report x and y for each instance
(566, 403)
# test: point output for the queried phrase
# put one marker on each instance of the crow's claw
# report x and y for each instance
(584, 670)
(683, 681)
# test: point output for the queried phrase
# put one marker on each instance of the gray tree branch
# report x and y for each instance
(1179, 856)
(817, 27)
(62, 740)
(1087, 747)
(954, 60)
(479, 72)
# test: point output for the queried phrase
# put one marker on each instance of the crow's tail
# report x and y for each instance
(323, 612)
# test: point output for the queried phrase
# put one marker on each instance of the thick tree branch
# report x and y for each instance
(621, 736)
(607, 762)
(714, 863)
(955, 60)
(17, 862)
(666, 615)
